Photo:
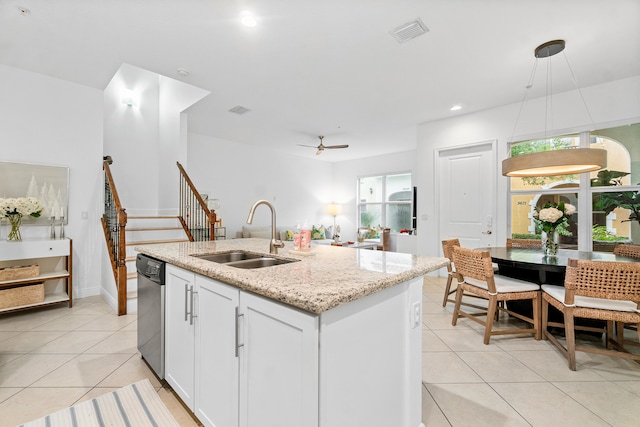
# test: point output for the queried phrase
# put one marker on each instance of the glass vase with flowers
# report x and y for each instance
(15, 208)
(553, 220)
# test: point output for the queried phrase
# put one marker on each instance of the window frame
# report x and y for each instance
(384, 203)
(584, 190)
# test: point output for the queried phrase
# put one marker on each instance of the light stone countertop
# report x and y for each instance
(330, 276)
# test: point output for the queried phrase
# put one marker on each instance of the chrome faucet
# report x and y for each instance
(275, 243)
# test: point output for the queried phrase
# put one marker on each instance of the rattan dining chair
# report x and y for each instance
(600, 290)
(524, 243)
(476, 277)
(447, 250)
(631, 251)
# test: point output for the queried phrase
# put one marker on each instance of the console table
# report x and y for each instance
(54, 259)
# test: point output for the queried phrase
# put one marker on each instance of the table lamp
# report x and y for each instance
(334, 209)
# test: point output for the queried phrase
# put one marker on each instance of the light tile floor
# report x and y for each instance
(516, 380)
(54, 357)
(51, 358)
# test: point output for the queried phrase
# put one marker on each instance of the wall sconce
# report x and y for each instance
(129, 98)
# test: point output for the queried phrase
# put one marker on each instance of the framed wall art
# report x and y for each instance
(50, 184)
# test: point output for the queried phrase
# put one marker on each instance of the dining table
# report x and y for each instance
(534, 266)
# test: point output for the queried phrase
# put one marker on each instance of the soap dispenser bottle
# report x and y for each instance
(297, 236)
(305, 241)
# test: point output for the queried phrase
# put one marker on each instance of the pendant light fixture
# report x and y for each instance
(553, 162)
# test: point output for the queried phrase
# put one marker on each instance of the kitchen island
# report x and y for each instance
(331, 339)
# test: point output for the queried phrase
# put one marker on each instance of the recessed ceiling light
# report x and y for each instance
(456, 108)
(248, 20)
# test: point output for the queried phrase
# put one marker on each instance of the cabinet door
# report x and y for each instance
(179, 333)
(278, 365)
(216, 356)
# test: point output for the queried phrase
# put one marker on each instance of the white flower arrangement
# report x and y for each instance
(24, 206)
(554, 217)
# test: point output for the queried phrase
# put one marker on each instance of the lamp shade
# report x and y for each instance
(334, 209)
(555, 162)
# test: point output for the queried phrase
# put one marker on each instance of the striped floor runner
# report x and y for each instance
(135, 405)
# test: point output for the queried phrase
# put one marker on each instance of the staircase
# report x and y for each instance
(194, 222)
(145, 230)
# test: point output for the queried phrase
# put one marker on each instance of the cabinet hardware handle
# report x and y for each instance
(191, 315)
(238, 345)
(186, 302)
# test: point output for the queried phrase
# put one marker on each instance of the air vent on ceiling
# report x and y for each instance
(410, 30)
(239, 109)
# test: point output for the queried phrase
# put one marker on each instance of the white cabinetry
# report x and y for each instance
(237, 359)
(180, 333)
(216, 353)
(279, 365)
(54, 259)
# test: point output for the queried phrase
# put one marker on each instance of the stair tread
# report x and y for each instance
(132, 294)
(133, 275)
(153, 242)
(153, 228)
(152, 216)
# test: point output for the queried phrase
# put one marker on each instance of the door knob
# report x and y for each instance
(486, 232)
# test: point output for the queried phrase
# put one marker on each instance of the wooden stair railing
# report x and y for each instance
(114, 221)
(195, 216)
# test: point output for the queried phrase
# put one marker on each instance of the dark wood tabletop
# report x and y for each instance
(533, 265)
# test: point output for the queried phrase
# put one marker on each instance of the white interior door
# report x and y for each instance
(467, 189)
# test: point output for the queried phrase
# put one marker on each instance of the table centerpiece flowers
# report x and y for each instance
(15, 208)
(553, 219)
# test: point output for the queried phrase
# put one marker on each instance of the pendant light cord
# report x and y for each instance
(524, 101)
(575, 83)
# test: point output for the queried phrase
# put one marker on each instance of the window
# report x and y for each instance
(385, 201)
(608, 201)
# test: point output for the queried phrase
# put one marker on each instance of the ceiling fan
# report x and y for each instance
(321, 147)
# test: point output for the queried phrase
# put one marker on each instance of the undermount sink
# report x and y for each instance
(241, 259)
(226, 257)
(260, 262)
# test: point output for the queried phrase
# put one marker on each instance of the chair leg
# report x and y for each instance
(447, 290)
(609, 335)
(620, 332)
(544, 314)
(570, 335)
(491, 314)
(536, 316)
(456, 309)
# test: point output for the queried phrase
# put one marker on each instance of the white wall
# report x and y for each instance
(345, 179)
(48, 121)
(610, 104)
(238, 175)
(146, 140)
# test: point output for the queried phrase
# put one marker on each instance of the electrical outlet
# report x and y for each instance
(416, 314)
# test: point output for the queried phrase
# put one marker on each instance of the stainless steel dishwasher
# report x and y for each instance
(151, 295)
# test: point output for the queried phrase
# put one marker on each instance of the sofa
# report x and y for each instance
(319, 233)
